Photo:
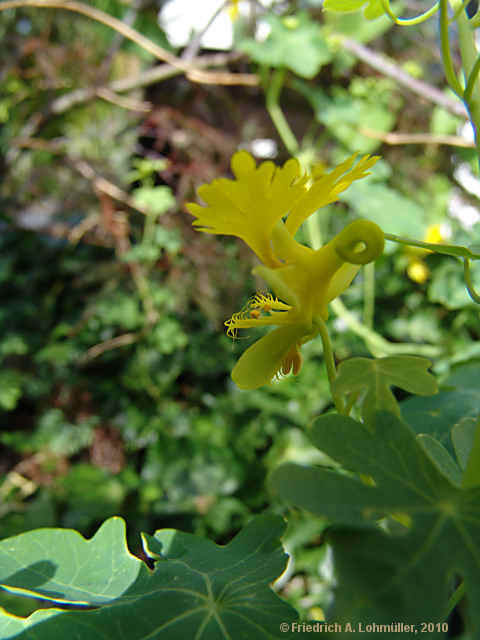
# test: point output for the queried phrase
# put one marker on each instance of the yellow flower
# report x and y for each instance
(265, 206)
(233, 10)
(417, 270)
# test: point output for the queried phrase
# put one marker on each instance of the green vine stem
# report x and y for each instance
(469, 55)
(470, 95)
(472, 78)
(444, 249)
(368, 294)
(449, 250)
(273, 84)
(330, 365)
(460, 8)
(448, 67)
(468, 281)
(455, 598)
(376, 343)
(409, 21)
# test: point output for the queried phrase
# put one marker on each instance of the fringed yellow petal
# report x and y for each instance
(253, 207)
(326, 188)
(264, 359)
(242, 164)
(250, 206)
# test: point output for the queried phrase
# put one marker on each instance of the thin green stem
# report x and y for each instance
(466, 41)
(368, 294)
(149, 229)
(444, 249)
(455, 598)
(409, 21)
(409, 242)
(472, 78)
(313, 231)
(273, 87)
(459, 9)
(330, 364)
(376, 343)
(469, 55)
(468, 281)
(448, 67)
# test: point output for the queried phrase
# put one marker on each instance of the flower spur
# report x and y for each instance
(265, 206)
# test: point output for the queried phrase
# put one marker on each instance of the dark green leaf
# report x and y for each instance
(437, 415)
(441, 458)
(463, 434)
(196, 589)
(383, 578)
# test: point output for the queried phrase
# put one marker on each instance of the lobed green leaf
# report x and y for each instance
(384, 577)
(375, 377)
(196, 589)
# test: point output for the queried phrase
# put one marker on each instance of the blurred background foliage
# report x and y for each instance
(115, 394)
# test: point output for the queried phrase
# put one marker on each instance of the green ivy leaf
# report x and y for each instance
(374, 377)
(294, 42)
(10, 389)
(384, 577)
(367, 101)
(156, 200)
(196, 589)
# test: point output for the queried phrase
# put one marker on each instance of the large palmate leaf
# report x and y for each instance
(196, 590)
(375, 376)
(383, 577)
(458, 400)
(438, 414)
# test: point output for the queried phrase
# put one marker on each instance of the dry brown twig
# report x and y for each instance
(142, 79)
(194, 74)
(395, 138)
(123, 340)
(388, 68)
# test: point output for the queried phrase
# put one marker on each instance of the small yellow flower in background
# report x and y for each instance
(265, 206)
(417, 269)
(233, 10)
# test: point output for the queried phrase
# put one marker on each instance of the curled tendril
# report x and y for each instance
(360, 242)
(409, 21)
(468, 281)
